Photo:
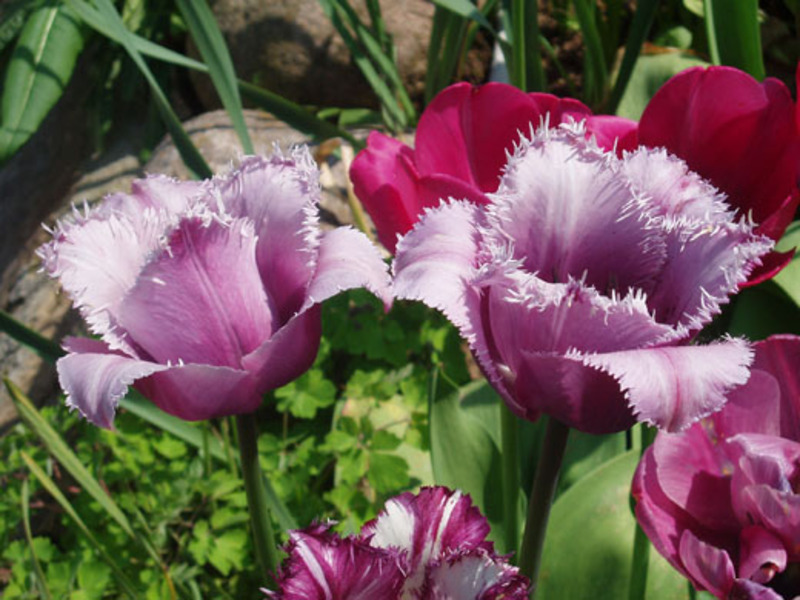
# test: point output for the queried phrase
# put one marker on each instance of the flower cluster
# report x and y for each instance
(205, 294)
(720, 501)
(431, 546)
(580, 281)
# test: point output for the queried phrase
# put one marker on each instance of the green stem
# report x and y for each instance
(541, 499)
(641, 545)
(266, 550)
(508, 424)
(518, 22)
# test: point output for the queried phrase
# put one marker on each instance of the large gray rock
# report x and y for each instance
(290, 47)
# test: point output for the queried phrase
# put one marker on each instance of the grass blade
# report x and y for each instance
(41, 581)
(468, 10)
(206, 34)
(38, 72)
(596, 69)
(640, 28)
(734, 37)
(66, 457)
(53, 490)
(111, 25)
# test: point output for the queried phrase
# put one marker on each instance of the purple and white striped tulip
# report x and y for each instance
(430, 546)
(581, 282)
(204, 294)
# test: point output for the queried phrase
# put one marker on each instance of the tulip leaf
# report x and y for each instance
(734, 35)
(463, 453)
(765, 310)
(649, 74)
(589, 541)
(38, 72)
(789, 278)
(468, 10)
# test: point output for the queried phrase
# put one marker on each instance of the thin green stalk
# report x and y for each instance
(41, 580)
(509, 432)
(640, 29)
(541, 499)
(518, 71)
(266, 549)
(641, 545)
(441, 18)
(47, 349)
(534, 70)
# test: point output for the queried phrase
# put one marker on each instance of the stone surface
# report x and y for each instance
(291, 47)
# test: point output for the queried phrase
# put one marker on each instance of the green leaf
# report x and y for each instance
(764, 310)
(468, 10)
(306, 394)
(108, 22)
(649, 74)
(789, 279)
(40, 68)
(589, 541)
(13, 16)
(463, 453)
(41, 581)
(734, 35)
(387, 472)
(206, 34)
(47, 349)
(53, 490)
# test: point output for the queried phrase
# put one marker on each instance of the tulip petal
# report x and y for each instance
(347, 260)
(672, 387)
(761, 555)
(195, 392)
(323, 566)
(709, 566)
(474, 575)
(435, 263)
(288, 353)
(280, 195)
(560, 177)
(613, 133)
(427, 526)
(779, 356)
(95, 380)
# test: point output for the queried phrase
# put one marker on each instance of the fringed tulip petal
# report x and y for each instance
(707, 565)
(95, 381)
(280, 196)
(672, 387)
(347, 260)
(208, 269)
(474, 575)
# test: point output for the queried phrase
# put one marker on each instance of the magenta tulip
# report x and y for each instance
(741, 135)
(578, 285)
(720, 501)
(429, 546)
(205, 295)
(460, 149)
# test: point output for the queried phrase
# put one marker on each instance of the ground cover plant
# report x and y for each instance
(567, 334)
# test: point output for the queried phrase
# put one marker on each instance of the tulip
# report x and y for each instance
(460, 148)
(720, 500)
(429, 546)
(741, 135)
(204, 295)
(578, 285)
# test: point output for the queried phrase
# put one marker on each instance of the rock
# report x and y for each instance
(291, 47)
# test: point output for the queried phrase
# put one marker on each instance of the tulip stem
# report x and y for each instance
(641, 545)
(264, 539)
(544, 487)
(508, 424)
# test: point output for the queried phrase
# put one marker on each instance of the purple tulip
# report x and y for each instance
(431, 546)
(204, 294)
(579, 284)
(720, 500)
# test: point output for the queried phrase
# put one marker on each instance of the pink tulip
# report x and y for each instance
(429, 546)
(741, 135)
(720, 501)
(578, 285)
(460, 149)
(205, 295)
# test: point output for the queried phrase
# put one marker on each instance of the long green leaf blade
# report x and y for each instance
(47, 349)
(58, 448)
(734, 37)
(53, 490)
(41, 581)
(596, 69)
(110, 24)
(206, 34)
(640, 28)
(468, 10)
(38, 72)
